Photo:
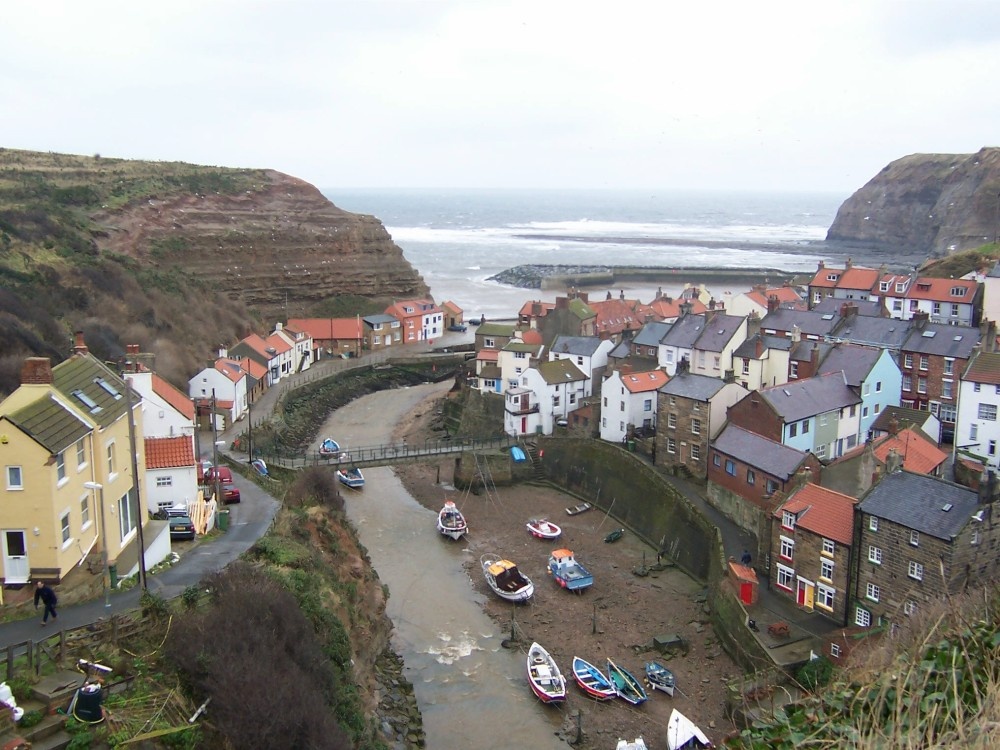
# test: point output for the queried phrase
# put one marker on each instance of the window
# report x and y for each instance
(829, 546)
(64, 527)
(878, 386)
(874, 554)
(14, 481)
(793, 429)
(864, 412)
(826, 569)
(822, 421)
(125, 520)
(872, 592)
(992, 447)
(621, 406)
(821, 451)
(921, 385)
(824, 596)
(907, 383)
(647, 405)
(907, 361)
(909, 608)
(788, 519)
(621, 426)
(85, 511)
(976, 387)
(805, 426)
(162, 481)
(936, 308)
(954, 311)
(973, 431)
(61, 466)
(873, 523)
(862, 617)
(695, 406)
(793, 370)
(897, 305)
(671, 445)
(914, 538)
(771, 486)
(751, 477)
(947, 412)
(376, 339)
(671, 420)
(695, 426)
(988, 412)
(746, 366)
(958, 291)
(947, 389)
(785, 577)
(108, 388)
(717, 460)
(834, 651)
(730, 467)
(489, 343)
(915, 571)
(81, 453)
(604, 422)
(605, 402)
(787, 548)
(111, 459)
(695, 452)
(949, 366)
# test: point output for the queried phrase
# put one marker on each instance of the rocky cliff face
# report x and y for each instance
(280, 245)
(930, 204)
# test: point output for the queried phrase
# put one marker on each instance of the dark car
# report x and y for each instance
(230, 493)
(458, 327)
(181, 527)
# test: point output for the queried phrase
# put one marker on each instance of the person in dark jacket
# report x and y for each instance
(48, 597)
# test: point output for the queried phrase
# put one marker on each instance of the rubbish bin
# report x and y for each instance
(222, 523)
(631, 446)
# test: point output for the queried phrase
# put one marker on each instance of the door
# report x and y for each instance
(524, 425)
(805, 594)
(15, 557)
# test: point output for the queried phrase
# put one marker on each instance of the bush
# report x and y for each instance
(815, 673)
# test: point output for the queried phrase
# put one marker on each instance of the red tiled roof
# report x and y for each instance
(536, 309)
(488, 355)
(532, 336)
(859, 277)
(919, 454)
(824, 512)
(939, 290)
(672, 308)
(173, 396)
(278, 343)
(324, 329)
(821, 280)
(169, 453)
(785, 295)
(230, 368)
(420, 307)
(451, 307)
(640, 382)
(257, 343)
(254, 368)
(617, 315)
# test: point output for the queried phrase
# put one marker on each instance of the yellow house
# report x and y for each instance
(68, 470)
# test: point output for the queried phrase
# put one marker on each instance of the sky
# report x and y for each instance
(801, 96)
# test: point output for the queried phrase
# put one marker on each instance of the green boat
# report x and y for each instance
(614, 536)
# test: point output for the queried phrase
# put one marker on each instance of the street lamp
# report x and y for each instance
(104, 542)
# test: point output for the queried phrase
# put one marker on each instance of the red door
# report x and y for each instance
(746, 593)
(524, 425)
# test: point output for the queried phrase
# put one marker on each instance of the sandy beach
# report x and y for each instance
(616, 618)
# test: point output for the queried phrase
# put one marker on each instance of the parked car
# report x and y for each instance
(230, 494)
(458, 327)
(224, 473)
(181, 527)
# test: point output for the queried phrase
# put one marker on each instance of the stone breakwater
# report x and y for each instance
(534, 276)
(398, 714)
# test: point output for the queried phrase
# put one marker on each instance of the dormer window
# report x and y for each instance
(883, 286)
(788, 519)
(831, 277)
(900, 288)
(958, 291)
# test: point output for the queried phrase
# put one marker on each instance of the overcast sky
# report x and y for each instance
(764, 95)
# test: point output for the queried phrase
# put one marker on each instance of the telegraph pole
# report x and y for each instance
(135, 485)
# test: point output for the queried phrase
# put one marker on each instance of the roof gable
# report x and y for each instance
(771, 457)
(560, 371)
(169, 452)
(176, 398)
(49, 423)
(641, 382)
(822, 511)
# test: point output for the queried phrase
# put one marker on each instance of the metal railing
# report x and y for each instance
(391, 453)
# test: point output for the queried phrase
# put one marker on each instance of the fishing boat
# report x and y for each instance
(567, 572)
(682, 734)
(543, 528)
(259, 466)
(614, 536)
(329, 447)
(592, 681)
(660, 678)
(626, 685)
(352, 477)
(637, 744)
(451, 522)
(577, 509)
(544, 677)
(505, 579)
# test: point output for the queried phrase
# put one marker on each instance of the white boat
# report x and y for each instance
(544, 677)
(451, 522)
(638, 744)
(352, 477)
(543, 528)
(329, 447)
(682, 734)
(505, 579)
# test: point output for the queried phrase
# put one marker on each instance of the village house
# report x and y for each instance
(810, 325)
(274, 353)
(991, 294)
(220, 390)
(832, 306)
(453, 314)
(921, 539)
(896, 418)
(945, 301)
(619, 318)
(872, 374)
(677, 344)
(851, 282)
(812, 550)
(820, 415)
(884, 333)
(521, 352)
(546, 395)
(748, 475)
(691, 411)
(589, 353)
(669, 309)
(645, 344)
(303, 348)
(531, 313)
(804, 357)
(977, 429)
(855, 472)
(756, 301)
(330, 337)
(380, 331)
(628, 403)
(571, 316)
(419, 319)
(762, 360)
(712, 351)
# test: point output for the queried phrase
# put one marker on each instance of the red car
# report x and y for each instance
(230, 494)
(225, 475)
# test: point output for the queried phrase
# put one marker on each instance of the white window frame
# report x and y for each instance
(862, 617)
(81, 454)
(85, 511)
(787, 519)
(914, 538)
(825, 596)
(873, 523)
(834, 650)
(872, 591)
(874, 554)
(785, 577)
(829, 547)
(15, 478)
(915, 571)
(826, 568)
(786, 548)
(64, 530)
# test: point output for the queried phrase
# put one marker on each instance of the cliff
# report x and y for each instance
(925, 204)
(178, 258)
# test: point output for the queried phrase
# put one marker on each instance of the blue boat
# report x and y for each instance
(517, 454)
(259, 466)
(626, 685)
(329, 447)
(352, 477)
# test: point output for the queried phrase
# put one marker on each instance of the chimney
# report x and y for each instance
(753, 323)
(621, 294)
(729, 377)
(624, 369)
(562, 303)
(848, 310)
(920, 320)
(608, 298)
(683, 365)
(758, 346)
(761, 289)
(893, 462)
(820, 266)
(802, 477)
(849, 265)
(796, 334)
(79, 347)
(685, 308)
(36, 371)
(773, 303)
(893, 426)
(604, 335)
(814, 358)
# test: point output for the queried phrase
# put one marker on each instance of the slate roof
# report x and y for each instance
(811, 323)
(169, 452)
(560, 371)
(822, 511)
(748, 348)
(719, 331)
(919, 454)
(95, 383)
(884, 332)
(652, 333)
(799, 399)
(917, 502)
(904, 417)
(770, 457)
(870, 308)
(581, 346)
(684, 332)
(802, 351)
(177, 399)
(984, 368)
(49, 423)
(622, 350)
(693, 386)
(375, 320)
(942, 340)
(853, 360)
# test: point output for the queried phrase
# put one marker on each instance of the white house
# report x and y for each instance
(301, 343)
(977, 429)
(712, 351)
(628, 399)
(171, 472)
(547, 393)
(518, 355)
(227, 382)
(588, 353)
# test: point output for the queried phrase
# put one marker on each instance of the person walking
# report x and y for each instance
(746, 559)
(48, 597)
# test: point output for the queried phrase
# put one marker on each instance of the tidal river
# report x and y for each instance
(472, 692)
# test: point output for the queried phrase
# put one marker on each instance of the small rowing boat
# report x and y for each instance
(577, 509)
(544, 677)
(626, 685)
(660, 678)
(451, 522)
(592, 681)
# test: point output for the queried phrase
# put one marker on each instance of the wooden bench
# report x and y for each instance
(779, 629)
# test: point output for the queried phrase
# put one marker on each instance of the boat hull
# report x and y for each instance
(659, 677)
(353, 479)
(544, 677)
(629, 689)
(682, 733)
(505, 580)
(451, 523)
(592, 681)
(569, 573)
(543, 528)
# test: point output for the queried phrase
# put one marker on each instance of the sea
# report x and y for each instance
(458, 239)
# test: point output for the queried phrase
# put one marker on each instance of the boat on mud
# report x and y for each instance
(505, 580)
(352, 477)
(544, 677)
(451, 522)
(567, 572)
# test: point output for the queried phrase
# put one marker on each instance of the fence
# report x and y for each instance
(393, 453)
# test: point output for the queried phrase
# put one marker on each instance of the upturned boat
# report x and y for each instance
(505, 580)
(683, 734)
(544, 677)
(637, 744)
(451, 522)
(592, 681)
